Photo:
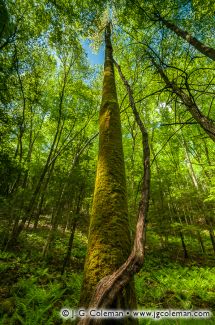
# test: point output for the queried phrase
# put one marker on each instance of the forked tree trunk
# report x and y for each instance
(109, 234)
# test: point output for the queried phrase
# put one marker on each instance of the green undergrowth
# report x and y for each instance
(176, 287)
(32, 290)
(169, 281)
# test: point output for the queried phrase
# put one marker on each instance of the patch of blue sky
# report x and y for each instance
(93, 58)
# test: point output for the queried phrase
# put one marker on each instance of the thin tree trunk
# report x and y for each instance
(49, 162)
(211, 232)
(69, 248)
(190, 166)
(22, 126)
(212, 238)
(183, 245)
(205, 122)
(207, 152)
(206, 50)
(38, 213)
(73, 228)
(42, 197)
(201, 242)
(51, 238)
(15, 234)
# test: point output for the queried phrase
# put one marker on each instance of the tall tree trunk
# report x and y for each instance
(111, 286)
(109, 233)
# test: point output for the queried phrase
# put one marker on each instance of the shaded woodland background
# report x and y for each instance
(50, 96)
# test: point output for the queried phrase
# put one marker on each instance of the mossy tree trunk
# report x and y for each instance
(109, 234)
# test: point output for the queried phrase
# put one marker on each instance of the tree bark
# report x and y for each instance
(109, 233)
(205, 122)
(111, 286)
(206, 50)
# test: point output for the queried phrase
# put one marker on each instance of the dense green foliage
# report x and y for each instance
(50, 93)
(33, 291)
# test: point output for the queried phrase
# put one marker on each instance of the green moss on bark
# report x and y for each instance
(109, 234)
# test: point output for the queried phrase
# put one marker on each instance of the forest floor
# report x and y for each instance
(33, 291)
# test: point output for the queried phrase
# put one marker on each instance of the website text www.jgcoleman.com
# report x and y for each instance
(68, 313)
